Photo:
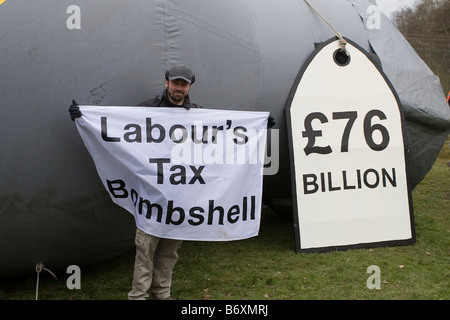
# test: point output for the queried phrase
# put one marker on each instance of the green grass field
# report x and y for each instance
(267, 268)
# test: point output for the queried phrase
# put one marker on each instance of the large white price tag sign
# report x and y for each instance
(347, 146)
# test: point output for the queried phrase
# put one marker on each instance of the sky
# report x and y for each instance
(389, 6)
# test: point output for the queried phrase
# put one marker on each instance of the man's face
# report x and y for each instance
(177, 90)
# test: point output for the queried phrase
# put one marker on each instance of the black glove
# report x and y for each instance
(270, 122)
(74, 110)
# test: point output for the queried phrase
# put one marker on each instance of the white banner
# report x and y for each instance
(184, 174)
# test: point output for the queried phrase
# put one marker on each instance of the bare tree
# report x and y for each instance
(427, 28)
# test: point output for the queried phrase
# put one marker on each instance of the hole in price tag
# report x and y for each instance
(341, 58)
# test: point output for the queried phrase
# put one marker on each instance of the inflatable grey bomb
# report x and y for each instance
(246, 56)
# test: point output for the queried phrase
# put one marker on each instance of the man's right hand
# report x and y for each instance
(74, 110)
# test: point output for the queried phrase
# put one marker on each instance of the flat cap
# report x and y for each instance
(180, 72)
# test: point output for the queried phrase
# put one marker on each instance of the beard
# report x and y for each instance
(177, 96)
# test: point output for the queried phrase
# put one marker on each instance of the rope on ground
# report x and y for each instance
(39, 268)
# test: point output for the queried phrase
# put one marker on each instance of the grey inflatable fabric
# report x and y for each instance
(245, 54)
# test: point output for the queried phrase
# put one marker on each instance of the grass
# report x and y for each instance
(267, 268)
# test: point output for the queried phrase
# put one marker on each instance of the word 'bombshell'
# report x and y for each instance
(175, 215)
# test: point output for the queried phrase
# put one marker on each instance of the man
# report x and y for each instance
(156, 257)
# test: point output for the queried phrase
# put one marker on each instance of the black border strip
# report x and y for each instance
(406, 147)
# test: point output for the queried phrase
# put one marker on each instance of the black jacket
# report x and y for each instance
(163, 101)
